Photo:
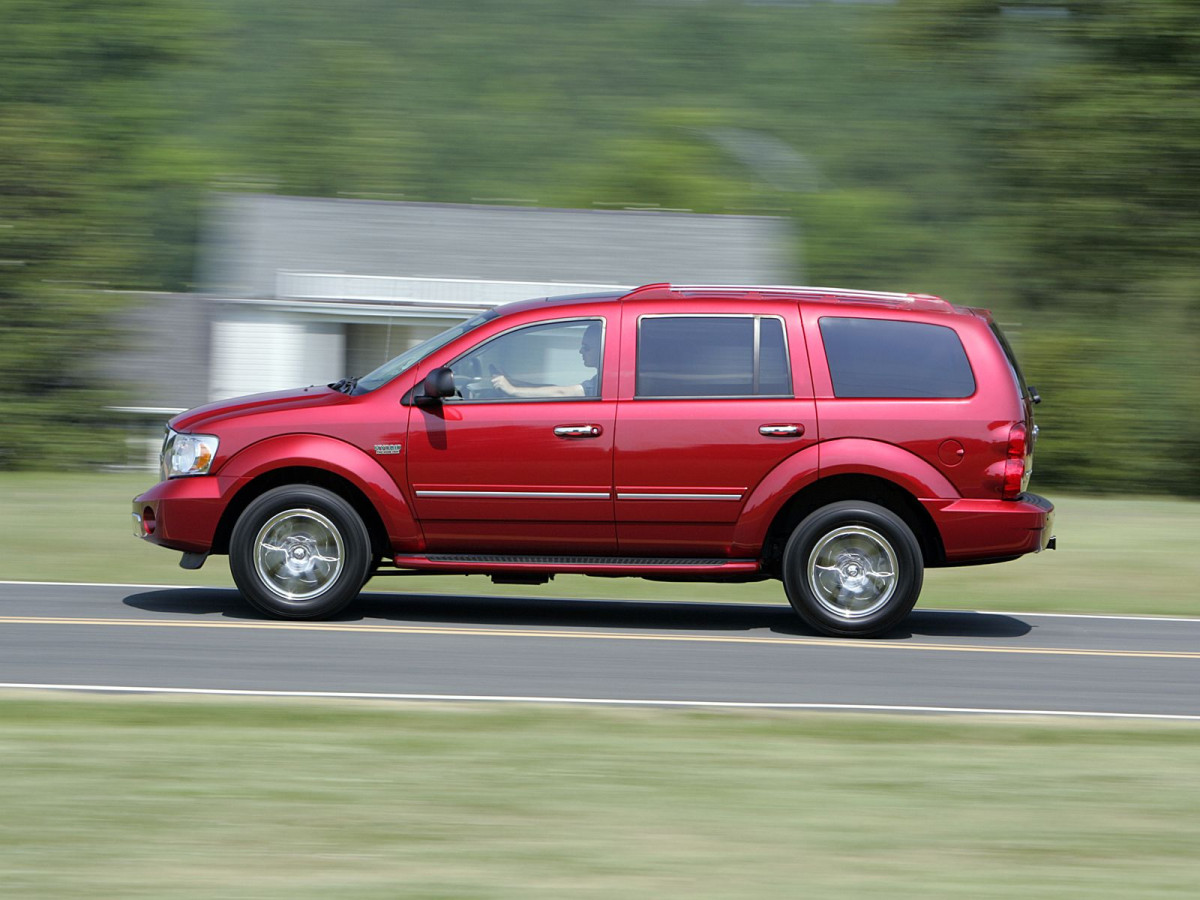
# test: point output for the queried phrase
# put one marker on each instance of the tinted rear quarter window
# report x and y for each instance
(883, 358)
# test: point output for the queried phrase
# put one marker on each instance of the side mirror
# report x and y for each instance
(438, 384)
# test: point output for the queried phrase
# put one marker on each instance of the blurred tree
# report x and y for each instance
(1038, 158)
(79, 203)
(1093, 172)
(1105, 175)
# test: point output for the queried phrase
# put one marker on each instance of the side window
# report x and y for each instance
(712, 356)
(553, 360)
(884, 358)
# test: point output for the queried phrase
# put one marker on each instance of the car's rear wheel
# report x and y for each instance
(299, 552)
(852, 569)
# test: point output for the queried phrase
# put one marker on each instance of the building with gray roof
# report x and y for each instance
(301, 290)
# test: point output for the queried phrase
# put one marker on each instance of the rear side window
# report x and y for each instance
(712, 356)
(884, 358)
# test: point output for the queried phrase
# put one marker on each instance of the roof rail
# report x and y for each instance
(919, 301)
(796, 289)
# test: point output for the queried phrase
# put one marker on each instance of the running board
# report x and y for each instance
(500, 564)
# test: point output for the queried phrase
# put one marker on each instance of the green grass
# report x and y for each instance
(164, 798)
(168, 798)
(1133, 556)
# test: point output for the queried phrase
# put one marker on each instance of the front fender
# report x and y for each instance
(314, 451)
(845, 456)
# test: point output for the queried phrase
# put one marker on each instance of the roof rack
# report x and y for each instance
(914, 301)
(799, 289)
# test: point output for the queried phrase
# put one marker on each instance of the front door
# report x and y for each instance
(521, 460)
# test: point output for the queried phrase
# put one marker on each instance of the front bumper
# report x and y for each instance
(181, 513)
(987, 530)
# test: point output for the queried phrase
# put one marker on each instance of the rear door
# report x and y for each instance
(712, 399)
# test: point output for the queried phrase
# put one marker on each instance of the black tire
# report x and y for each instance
(299, 552)
(852, 569)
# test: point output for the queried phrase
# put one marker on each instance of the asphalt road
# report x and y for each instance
(129, 638)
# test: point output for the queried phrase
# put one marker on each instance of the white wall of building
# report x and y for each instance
(322, 327)
(310, 290)
(257, 349)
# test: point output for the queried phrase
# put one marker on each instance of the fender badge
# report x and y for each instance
(388, 449)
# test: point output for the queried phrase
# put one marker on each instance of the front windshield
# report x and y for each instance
(414, 355)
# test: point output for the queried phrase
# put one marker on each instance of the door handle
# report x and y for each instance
(578, 431)
(781, 430)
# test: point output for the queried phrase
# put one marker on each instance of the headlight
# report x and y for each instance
(187, 454)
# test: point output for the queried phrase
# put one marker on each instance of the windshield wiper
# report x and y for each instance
(345, 385)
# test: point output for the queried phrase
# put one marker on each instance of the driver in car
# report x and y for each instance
(589, 349)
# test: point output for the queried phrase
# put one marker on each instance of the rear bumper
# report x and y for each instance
(983, 530)
(182, 513)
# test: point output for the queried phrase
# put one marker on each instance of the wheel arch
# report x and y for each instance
(322, 461)
(856, 486)
(303, 475)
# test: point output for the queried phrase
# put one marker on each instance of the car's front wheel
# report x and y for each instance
(852, 569)
(299, 552)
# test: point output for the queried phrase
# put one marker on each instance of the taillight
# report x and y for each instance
(1014, 464)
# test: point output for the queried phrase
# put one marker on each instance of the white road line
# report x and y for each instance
(579, 634)
(1044, 615)
(105, 584)
(919, 609)
(592, 701)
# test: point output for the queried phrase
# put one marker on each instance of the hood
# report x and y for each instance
(203, 418)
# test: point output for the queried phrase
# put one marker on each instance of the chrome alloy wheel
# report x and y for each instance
(299, 554)
(852, 571)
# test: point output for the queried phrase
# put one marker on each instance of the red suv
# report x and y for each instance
(840, 441)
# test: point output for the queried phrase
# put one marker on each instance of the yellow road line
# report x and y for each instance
(599, 635)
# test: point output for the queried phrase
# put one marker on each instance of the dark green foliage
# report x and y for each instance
(84, 151)
(1040, 160)
(1094, 174)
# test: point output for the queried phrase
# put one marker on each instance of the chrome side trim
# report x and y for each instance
(576, 495)
(529, 495)
(621, 496)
